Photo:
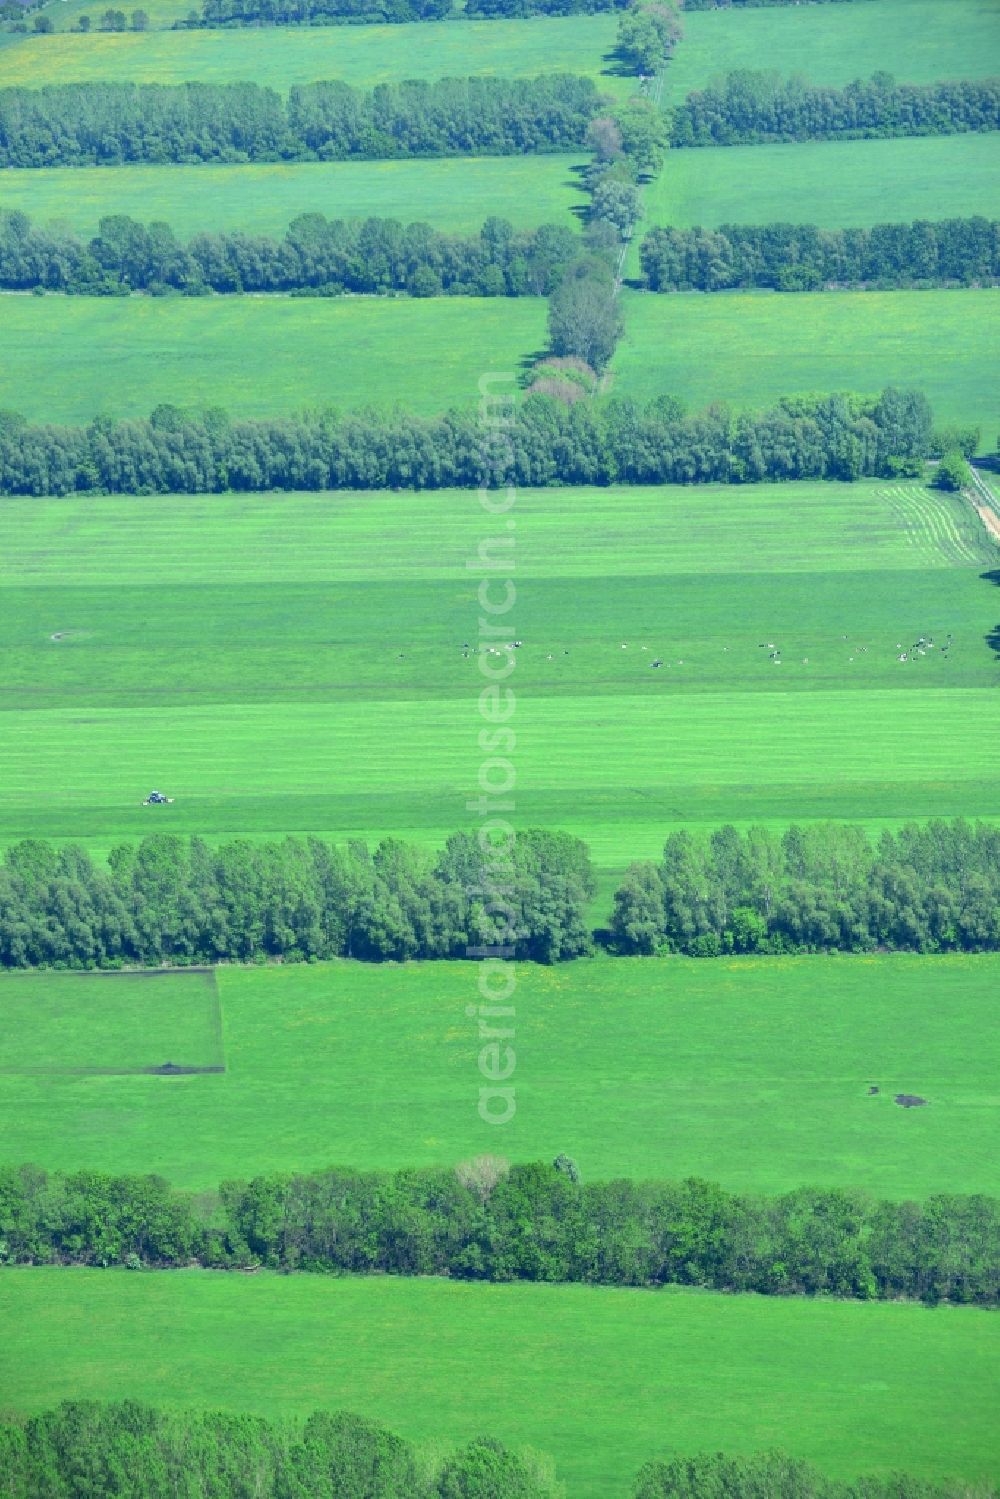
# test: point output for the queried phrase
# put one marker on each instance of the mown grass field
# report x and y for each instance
(754, 1072)
(600, 1379)
(918, 41)
(101, 1023)
(836, 184)
(454, 194)
(751, 348)
(358, 55)
(68, 358)
(331, 629)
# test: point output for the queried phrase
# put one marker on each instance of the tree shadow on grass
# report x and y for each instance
(993, 638)
(616, 65)
(528, 362)
(577, 181)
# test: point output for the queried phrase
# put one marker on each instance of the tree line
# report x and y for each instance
(316, 255)
(133, 1451)
(175, 900)
(802, 257)
(108, 124)
(488, 1220)
(821, 888)
(830, 887)
(750, 4)
(321, 12)
(486, 10)
(174, 451)
(750, 107)
(775, 1474)
(136, 1451)
(386, 12)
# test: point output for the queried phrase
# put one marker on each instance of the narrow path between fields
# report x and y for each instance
(985, 503)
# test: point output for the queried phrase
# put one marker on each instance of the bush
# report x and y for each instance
(952, 473)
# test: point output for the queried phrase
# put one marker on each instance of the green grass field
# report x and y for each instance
(751, 348)
(750, 1071)
(601, 1379)
(453, 194)
(80, 1023)
(359, 55)
(337, 638)
(162, 13)
(68, 358)
(918, 41)
(836, 184)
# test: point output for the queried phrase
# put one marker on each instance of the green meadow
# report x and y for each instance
(751, 348)
(358, 55)
(750, 1071)
(107, 1023)
(162, 13)
(68, 358)
(835, 184)
(332, 629)
(357, 536)
(600, 1379)
(298, 664)
(454, 194)
(918, 41)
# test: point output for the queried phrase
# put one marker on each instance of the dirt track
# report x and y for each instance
(989, 518)
(981, 499)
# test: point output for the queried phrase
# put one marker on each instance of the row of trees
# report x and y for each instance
(174, 451)
(108, 20)
(829, 887)
(749, 107)
(488, 1220)
(316, 255)
(346, 12)
(321, 12)
(81, 124)
(131, 1451)
(749, 4)
(775, 1475)
(802, 257)
(386, 12)
(175, 900)
(485, 10)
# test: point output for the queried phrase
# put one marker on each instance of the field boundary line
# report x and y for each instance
(984, 502)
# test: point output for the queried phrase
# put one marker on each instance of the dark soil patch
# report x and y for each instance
(910, 1101)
